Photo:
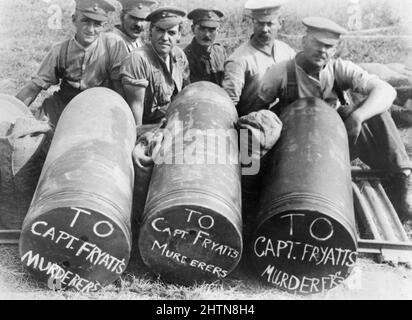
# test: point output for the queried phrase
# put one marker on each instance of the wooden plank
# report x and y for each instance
(9, 236)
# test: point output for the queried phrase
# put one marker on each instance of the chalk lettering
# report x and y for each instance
(78, 211)
(178, 233)
(199, 235)
(58, 275)
(313, 254)
(34, 225)
(31, 260)
(51, 232)
(328, 223)
(302, 284)
(84, 247)
(103, 235)
(99, 257)
(163, 246)
(305, 250)
(352, 258)
(178, 257)
(259, 239)
(208, 224)
(190, 214)
(291, 220)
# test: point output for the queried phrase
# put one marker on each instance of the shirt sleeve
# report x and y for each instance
(118, 52)
(46, 75)
(133, 70)
(273, 81)
(234, 79)
(350, 76)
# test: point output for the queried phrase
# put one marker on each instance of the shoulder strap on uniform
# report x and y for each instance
(338, 90)
(62, 60)
(290, 92)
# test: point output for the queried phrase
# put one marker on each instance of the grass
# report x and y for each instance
(376, 282)
(25, 39)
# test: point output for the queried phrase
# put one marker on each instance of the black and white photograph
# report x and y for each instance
(195, 150)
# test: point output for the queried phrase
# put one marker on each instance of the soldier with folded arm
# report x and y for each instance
(373, 136)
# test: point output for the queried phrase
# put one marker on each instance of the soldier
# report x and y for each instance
(153, 74)
(132, 22)
(245, 68)
(206, 57)
(89, 59)
(373, 136)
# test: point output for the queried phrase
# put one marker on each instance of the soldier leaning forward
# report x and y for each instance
(90, 59)
(153, 74)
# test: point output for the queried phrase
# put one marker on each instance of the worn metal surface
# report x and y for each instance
(77, 231)
(22, 154)
(305, 241)
(191, 229)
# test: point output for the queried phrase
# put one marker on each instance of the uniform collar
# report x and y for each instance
(89, 47)
(299, 58)
(201, 50)
(172, 55)
(255, 45)
(125, 35)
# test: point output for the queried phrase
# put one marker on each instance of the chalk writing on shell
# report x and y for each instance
(305, 254)
(102, 228)
(303, 284)
(184, 260)
(57, 274)
(196, 233)
(73, 247)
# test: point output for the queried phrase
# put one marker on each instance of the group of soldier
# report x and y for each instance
(263, 73)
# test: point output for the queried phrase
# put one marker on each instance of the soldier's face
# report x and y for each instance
(132, 26)
(266, 31)
(317, 53)
(163, 40)
(204, 36)
(87, 30)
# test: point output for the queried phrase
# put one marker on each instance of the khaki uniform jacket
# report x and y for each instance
(244, 71)
(144, 68)
(206, 65)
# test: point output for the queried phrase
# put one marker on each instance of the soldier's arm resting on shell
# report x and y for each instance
(135, 98)
(44, 78)
(380, 98)
(28, 93)
(380, 94)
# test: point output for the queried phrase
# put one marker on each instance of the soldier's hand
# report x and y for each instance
(147, 147)
(353, 126)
